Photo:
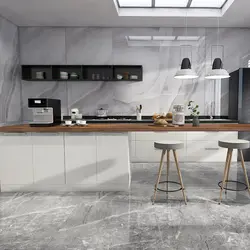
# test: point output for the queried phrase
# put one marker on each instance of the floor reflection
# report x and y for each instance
(128, 220)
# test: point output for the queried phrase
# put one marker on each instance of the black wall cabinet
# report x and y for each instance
(82, 73)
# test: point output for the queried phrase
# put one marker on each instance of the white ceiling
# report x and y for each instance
(103, 13)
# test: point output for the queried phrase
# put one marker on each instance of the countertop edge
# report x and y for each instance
(122, 128)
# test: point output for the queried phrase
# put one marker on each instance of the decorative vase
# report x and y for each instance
(196, 121)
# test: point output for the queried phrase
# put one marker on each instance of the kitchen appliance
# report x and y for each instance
(178, 115)
(102, 112)
(74, 113)
(45, 112)
(239, 101)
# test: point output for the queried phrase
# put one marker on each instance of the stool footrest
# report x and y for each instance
(169, 191)
(238, 182)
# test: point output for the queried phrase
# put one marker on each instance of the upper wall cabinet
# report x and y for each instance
(82, 73)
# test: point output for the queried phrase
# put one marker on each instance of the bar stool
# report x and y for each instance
(231, 145)
(167, 146)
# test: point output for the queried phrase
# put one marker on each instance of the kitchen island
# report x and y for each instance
(97, 157)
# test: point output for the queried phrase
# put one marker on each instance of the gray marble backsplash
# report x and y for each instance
(10, 83)
(158, 91)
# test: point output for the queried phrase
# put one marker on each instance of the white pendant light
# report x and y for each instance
(217, 71)
(185, 72)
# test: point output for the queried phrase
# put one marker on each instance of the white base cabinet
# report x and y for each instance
(48, 158)
(198, 146)
(16, 166)
(64, 162)
(80, 158)
(113, 167)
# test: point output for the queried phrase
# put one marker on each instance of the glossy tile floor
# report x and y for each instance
(128, 220)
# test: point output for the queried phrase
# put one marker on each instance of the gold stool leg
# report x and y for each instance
(180, 177)
(168, 166)
(226, 170)
(244, 169)
(159, 174)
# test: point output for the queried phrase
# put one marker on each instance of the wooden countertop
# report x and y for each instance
(121, 127)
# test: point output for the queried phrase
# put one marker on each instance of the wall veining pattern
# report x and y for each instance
(157, 92)
(10, 84)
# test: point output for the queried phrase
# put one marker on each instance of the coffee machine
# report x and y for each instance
(45, 112)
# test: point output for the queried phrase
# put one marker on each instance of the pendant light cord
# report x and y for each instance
(186, 24)
(218, 33)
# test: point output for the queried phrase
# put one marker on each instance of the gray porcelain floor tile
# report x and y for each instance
(128, 220)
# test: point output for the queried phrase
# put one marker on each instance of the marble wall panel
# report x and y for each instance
(39, 45)
(158, 91)
(10, 86)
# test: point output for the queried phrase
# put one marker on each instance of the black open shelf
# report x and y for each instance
(69, 69)
(127, 73)
(97, 72)
(82, 72)
(29, 72)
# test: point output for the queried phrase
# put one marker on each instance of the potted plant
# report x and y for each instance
(194, 113)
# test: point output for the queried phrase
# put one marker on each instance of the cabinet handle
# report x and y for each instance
(211, 148)
(47, 133)
(14, 133)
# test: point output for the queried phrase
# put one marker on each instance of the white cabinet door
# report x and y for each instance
(132, 151)
(48, 158)
(16, 159)
(80, 158)
(112, 158)
(207, 151)
(160, 136)
(146, 152)
(211, 136)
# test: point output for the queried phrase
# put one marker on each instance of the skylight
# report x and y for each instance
(190, 4)
(163, 38)
(207, 3)
(171, 3)
(139, 38)
(188, 38)
(135, 3)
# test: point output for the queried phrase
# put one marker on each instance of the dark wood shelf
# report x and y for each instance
(131, 73)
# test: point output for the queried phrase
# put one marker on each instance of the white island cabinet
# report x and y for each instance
(93, 161)
(198, 146)
(113, 164)
(80, 159)
(16, 169)
(48, 159)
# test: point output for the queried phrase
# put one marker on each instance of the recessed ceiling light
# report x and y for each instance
(188, 38)
(171, 3)
(207, 3)
(139, 38)
(163, 38)
(135, 3)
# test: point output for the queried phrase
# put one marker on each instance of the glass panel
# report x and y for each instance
(139, 38)
(163, 38)
(207, 3)
(171, 3)
(135, 3)
(188, 38)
